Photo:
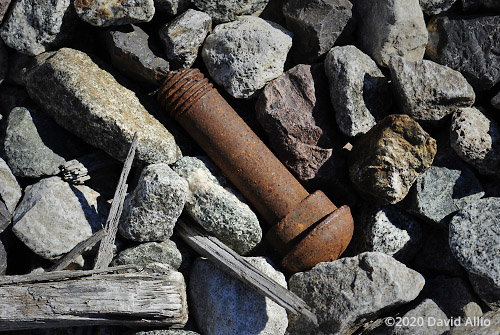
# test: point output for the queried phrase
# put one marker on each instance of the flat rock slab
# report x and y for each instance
(229, 10)
(33, 27)
(165, 252)
(475, 242)
(10, 191)
(385, 162)
(89, 102)
(103, 13)
(348, 292)
(468, 45)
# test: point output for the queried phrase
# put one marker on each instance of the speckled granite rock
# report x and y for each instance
(359, 92)
(351, 291)
(391, 28)
(428, 91)
(151, 210)
(386, 161)
(4, 5)
(216, 205)
(10, 191)
(103, 13)
(133, 54)
(229, 10)
(3, 259)
(433, 7)
(89, 102)
(242, 65)
(183, 36)
(475, 138)
(488, 324)
(165, 252)
(222, 305)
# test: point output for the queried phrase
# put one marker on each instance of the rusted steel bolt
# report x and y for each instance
(307, 228)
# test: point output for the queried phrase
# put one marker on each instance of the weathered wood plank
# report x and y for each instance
(235, 265)
(154, 297)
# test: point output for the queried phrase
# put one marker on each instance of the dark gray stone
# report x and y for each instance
(103, 13)
(359, 92)
(229, 10)
(4, 65)
(385, 162)
(475, 242)
(480, 5)
(33, 27)
(428, 91)
(151, 210)
(3, 259)
(316, 25)
(172, 7)
(433, 7)
(222, 305)
(133, 54)
(183, 36)
(34, 145)
(89, 102)
(165, 252)
(495, 101)
(468, 45)
(348, 292)
(475, 137)
(10, 191)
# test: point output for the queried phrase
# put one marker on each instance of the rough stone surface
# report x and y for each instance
(243, 65)
(296, 126)
(183, 36)
(167, 332)
(229, 10)
(392, 28)
(3, 259)
(218, 207)
(316, 25)
(475, 138)
(33, 27)
(390, 230)
(223, 305)
(103, 13)
(54, 216)
(351, 291)
(172, 7)
(10, 191)
(481, 326)
(442, 190)
(33, 144)
(89, 102)
(4, 64)
(495, 101)
(428, 91)
(4, 5)
(132, 54)
(433, 7)
(454, 295)
(152, 209)
(480, 5)
(165, 252)
(475, 242)
(386, 161)
(359, 92)
(468, 45)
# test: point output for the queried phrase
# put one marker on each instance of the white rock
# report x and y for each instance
(10, 191)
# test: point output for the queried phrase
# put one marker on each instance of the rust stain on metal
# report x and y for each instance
(253, 168)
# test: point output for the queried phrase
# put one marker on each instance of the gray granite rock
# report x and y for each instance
(316, 25)
(385, 162)
(33, 27)
(89, 102)
(428, 91)
(10, 191)
(151, 210)
(243, 65)
(391, 28)
(469, 45)
(172, 7)
(475, 242)
(454, 295)
(475, 138)
(348, 292)
(183, 36)
(165, 252)
(4, 64)
(359, 92)
(488, 324)
(297, 127)
(4, 5)
(433, 7)
(3, 259)
(495, 101)
(54, 216)
(223, 305)
(390, 230)
(480, 5)
(217, 206)
(103, 13)
(34, 145)
(133, 54)
(445, 188)
(229, 10)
